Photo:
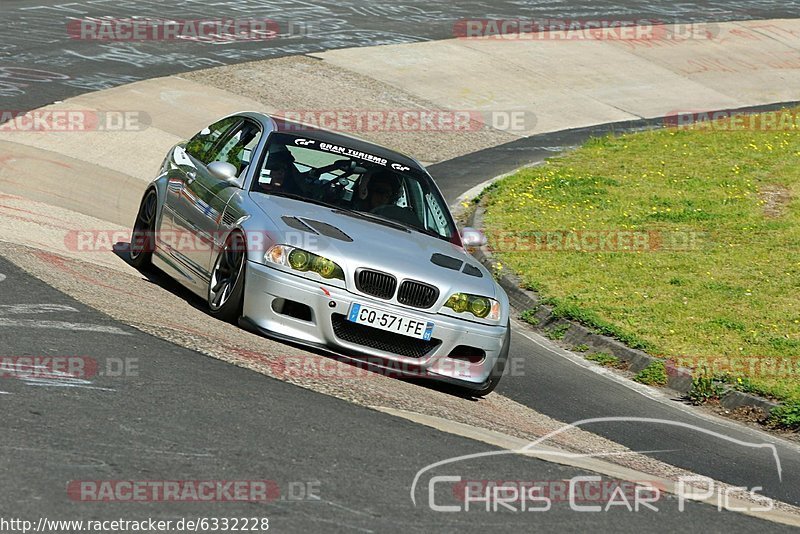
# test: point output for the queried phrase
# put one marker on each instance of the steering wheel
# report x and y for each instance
(333, 189)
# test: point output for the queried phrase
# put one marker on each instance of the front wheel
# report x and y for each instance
(499, 366)
(226, 289)
(143, 237)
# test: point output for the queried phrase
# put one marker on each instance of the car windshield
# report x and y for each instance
(352, 180)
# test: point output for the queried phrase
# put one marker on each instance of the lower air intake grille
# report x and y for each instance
(376, 283)
(380, 339)
(417, 294)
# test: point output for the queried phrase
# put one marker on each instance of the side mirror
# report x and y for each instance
(223, 171)
(472, 237)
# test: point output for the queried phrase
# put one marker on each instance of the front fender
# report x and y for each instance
(260, 234)
(160, 186)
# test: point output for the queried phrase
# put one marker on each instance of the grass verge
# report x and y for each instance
(606, 360)
(654, 374)
(683, 243)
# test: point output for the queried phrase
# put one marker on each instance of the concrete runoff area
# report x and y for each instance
(576, 83)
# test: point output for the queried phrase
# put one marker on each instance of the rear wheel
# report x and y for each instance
(499, 366)
(143, 235)
(226, 289)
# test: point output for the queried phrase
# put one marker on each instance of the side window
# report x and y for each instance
(402, 201)
(203, 146)
(238, 148)
(415, 195)
(436, 215)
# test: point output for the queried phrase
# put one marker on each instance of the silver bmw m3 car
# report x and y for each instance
(325, 240)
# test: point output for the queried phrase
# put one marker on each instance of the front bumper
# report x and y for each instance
(266, 288)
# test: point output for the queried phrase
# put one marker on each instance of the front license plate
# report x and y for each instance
(390, 321)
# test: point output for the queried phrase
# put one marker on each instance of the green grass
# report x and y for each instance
(715, 272)
(604, 359)
(705, 387)
(787, 416)
(654, 374)
(529, 316)
(557, 332)
(567, 310)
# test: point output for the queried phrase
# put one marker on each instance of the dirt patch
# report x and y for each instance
(776, 199)
(754, 418)
(744, 414)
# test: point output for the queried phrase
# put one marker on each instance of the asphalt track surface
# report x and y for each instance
(35, 33)
(154, 411)
(181, 402)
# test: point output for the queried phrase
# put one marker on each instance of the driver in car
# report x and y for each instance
(381, 189)
(284, 176)
(379, 195)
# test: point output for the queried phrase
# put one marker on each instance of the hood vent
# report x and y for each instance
(446, 261)
(297, 224)
(472, 271)
(327, 230)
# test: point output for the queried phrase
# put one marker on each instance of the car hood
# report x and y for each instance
(355, 243)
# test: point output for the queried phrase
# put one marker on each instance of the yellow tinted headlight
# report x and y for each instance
(325, 267)
(299, 260)
(458, 303)
(304, 261)
(481, 307)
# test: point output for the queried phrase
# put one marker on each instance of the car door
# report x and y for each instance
(183, 207)
(199, 208)
(238, 149)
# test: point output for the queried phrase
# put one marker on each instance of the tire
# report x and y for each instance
(499, 366)
(226, 287)
(143, 235)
